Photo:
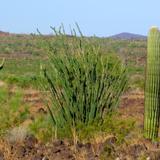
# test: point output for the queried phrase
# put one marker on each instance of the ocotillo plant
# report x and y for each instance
(152, 86)
(84, 83)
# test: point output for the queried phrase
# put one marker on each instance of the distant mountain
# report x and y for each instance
(128, 36)
(4, 33)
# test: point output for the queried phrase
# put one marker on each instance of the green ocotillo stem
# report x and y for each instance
(152, 85)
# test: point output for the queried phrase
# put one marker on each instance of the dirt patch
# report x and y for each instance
(132, 105)
(31, 149)
(35, 100)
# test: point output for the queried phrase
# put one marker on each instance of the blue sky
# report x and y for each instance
(99, 17)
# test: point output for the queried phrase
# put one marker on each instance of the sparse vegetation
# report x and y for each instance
(23, 110)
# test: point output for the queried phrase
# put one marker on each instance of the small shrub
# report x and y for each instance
(12, 112)
(118, 127)
(42, 128)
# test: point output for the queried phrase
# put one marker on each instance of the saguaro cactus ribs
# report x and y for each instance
(152, 85)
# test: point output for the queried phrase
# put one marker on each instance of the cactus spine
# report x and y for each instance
(152, 86)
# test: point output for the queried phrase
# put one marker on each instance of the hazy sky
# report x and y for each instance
(99, 17)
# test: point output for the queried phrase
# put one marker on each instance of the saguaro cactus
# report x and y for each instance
(2, 64)
(152, 86)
